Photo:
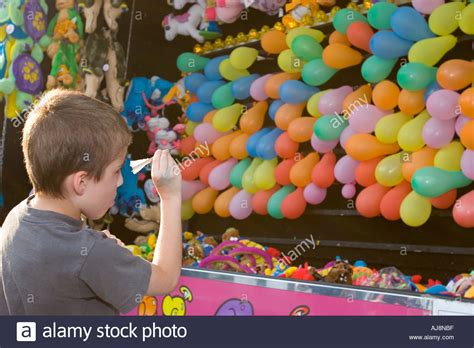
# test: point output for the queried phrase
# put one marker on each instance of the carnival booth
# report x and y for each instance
(326, 147)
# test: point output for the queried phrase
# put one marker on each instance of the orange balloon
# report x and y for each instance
(362, 95)
(252, 119)
(221, 205)
(368, 201)
(202, 150)
(220, 148)
(463, 211)
(272, 86)
(191, 168)
(238, 148)
(419, 159)
(466, 101)
(392, 200)
(285, 147)
(274, 42)
(359, 35)
(365, 171)
(282, 171)
(455, 74)
(411, 103)
(188, 144)
(338, 37)
(446, 200)
(322, 174)
(364, 147)
(294, 205)
(339, 56)
(206, 170)
(301, 129)
(209, 116)
(203, 201)
(287, 113)
(300, 173)
(386, 95)
(467, 135)
(261, 198)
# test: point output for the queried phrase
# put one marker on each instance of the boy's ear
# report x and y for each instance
(79, 182)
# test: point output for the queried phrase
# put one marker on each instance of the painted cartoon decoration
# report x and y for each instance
(235, 307)
(148, 307)
(300, 311)
(176, 305)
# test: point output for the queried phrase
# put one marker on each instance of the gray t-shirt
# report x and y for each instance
(51, 265)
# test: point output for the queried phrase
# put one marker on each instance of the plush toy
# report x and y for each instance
(340, 273)
(90, 9)
(185, 24)
(461, 284)
(115, 73)
(113, 9)
(300, 12)
(95, 58)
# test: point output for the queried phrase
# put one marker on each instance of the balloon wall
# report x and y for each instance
(399, 145)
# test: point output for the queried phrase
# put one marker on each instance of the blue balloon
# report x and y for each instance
(211, 70)
(254, 139)
(266, 145)
(196, 111)
(193, 81)
(296, 92)
(430, 89)
(388, 45)
(409, 24)
(204, 93)
(272, 110)
(241, 87)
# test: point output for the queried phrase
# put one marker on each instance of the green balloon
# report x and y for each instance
(223, 96)
(346, 17)
(330, 127)
(416, 76)
(238, 172)
(376, 69)
(433, 181)
(190, 62)
(316, 72)
(274, 203)
(306, 48)
(379, 15)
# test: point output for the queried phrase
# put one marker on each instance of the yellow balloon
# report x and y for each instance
(264, 176)
(288, 62)
(187, 211)
(189, 129)
(449, 156)
(243, 57)
(387, 128)
(445, 18)
(410, 135)
(313, 104)
(389, 170)
(466, 23)
(248, 182)
(315, 34)
(229, 72)
(415, 210)
(430, 51)
(226, 118)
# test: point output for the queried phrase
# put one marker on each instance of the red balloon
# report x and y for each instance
(392, 200)
(282, 171)
(445, 200)
(365, 172)
(323, 172)
(206, 170)
(368, 200)
(359, 35)
(294, 205)
(463, 210)
(191, 171)
(285, 147)
(261, 198)
(188, 144)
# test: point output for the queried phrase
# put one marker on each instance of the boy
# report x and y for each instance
(74, 147)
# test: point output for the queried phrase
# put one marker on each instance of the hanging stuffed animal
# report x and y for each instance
(113, 9)
(186, 24)
(115, 74)
(91, 10)
(94, 56)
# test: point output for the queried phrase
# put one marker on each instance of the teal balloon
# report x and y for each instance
(346, 17)
(316, 72)
(416, 76)
(330, 127)
(190, 62)
(275, 201)
(375, 69)
(306, 48)
(238, 172)
(223, 96)
(433, 181)
(379, 15)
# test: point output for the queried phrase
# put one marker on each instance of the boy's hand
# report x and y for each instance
(166, 175)
(111, 236)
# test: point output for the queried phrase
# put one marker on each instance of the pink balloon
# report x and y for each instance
(331, 102)
(437, 133)
(348, 191)
(443, 104)
(463, 210)
(426, 6)
(228, 11)
(345, 135)
(364, 118)
(467, 163)
(205, 132)
(240, 206)
(345, 168)
(322, 146)
(219, 177)
(257, 89)
(460, 122)
(190, 188)
(314, 194)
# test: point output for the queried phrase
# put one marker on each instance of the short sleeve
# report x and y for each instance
(116, 275)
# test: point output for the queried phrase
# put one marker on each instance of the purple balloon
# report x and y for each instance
(460, 122)
(467, 163)
(437, 133)
(331, 102)
(240, 207)
(348, 191)
(443, 104)
(206, 133)
(426, 6)
(345, 168)
(364, 118)
(219, 177)
(322, 146)
(190, 188)
(345, 135)
(314, 194)
(257, 89)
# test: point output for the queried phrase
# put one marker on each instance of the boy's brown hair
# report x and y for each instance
(67, 132)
